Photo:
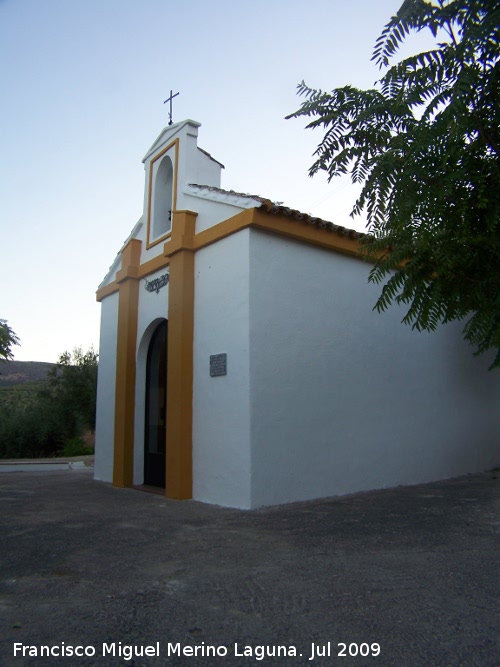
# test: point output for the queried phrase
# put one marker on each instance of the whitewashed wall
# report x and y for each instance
(106, 384)
(221, 427)
(344, 399)
(201, 170)
(210, 213)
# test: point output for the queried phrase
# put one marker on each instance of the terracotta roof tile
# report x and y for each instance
(279, 209)
(220, 191)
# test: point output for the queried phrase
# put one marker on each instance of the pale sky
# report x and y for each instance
(83, 84)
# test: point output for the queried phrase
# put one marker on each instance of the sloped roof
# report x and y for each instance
(249, 201)
(210, 156)
(169, 132)
(214, 193)
(245, 200)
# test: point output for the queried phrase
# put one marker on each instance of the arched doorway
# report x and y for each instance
(156, 408)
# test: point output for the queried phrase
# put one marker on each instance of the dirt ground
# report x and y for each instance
(404, 577)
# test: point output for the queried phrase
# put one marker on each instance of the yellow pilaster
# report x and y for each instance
(128, 303)
(179, 460)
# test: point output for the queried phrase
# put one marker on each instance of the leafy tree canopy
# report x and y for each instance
(72, 386)
(7, 339)
(424, 144)
(53, 418)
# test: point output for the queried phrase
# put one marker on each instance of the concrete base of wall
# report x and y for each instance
(47, 465)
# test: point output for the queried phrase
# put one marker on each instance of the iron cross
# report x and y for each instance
(169, 99)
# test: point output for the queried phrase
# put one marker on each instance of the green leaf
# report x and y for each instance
(424, 145)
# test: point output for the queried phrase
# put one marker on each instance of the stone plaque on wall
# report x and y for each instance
(218, 364)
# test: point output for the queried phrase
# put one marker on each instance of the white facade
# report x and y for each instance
(345, 399)
(322, 396)
(222, 450)
(106, 387)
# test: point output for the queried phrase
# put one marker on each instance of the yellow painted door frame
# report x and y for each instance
(179, 255)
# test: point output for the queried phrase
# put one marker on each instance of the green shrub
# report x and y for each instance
(76, 447)
(50, 419)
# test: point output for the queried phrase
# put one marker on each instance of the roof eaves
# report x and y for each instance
(224, 196)
(273, 208)
(210, 156)
(114, 266)
(294, 214)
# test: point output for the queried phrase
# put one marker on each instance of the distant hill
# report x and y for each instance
(18, 372)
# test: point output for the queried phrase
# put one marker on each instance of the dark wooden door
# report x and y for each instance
(156, 408)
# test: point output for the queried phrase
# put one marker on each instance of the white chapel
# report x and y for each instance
(241, 362)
